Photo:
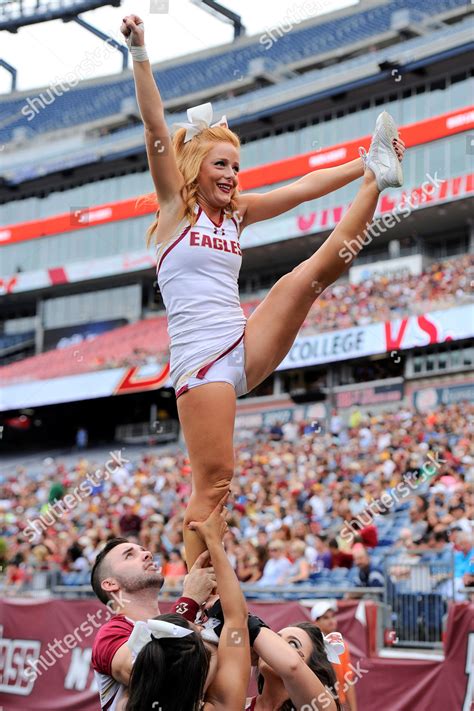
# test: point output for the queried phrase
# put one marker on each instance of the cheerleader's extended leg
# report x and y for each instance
(273, 326)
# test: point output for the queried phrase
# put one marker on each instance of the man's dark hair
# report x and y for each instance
(97, 573)
(332, 543)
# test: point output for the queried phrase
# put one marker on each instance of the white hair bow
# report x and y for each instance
(200, 117)
(334, 646)
(159, 629)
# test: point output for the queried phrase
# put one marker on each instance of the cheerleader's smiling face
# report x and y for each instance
(218, 175)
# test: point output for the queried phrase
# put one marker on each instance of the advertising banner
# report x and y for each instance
(369, 395)
(429, 399)
(375, 338)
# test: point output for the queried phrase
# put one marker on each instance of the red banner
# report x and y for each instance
(61, 633)
(414, 134)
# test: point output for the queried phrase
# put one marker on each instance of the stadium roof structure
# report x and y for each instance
(19, 13)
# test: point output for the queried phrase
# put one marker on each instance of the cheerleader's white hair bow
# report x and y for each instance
(334, 646)
(144, 632)
(200, 117)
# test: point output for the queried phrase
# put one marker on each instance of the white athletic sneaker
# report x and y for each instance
(382, 159)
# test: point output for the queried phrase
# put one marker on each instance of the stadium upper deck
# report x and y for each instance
(317, 42)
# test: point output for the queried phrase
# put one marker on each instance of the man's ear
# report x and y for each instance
(110, 585)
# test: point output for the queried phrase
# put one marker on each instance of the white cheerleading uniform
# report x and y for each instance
(197, 272)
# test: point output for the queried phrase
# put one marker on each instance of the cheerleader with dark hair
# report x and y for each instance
(294, 669)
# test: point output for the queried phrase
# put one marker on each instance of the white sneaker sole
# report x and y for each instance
(389, 132)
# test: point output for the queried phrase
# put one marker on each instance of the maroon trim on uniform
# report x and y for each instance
(202, 372)
(181, 391)
(221, 218)
(110, 702)
(236, 227)
(182, 235)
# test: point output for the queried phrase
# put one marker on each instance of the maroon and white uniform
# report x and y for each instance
(197, 272)
(113, 635)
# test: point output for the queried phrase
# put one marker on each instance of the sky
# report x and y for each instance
(46, 52)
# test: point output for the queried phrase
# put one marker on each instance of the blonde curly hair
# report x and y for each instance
(189, 158)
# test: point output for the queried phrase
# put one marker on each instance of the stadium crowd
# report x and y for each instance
(441, 285)
(303, 501)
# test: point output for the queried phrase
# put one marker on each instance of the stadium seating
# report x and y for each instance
(89, 103)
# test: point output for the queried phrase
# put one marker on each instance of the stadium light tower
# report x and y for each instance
(222, 13)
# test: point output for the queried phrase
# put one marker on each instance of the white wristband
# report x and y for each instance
(139, 54)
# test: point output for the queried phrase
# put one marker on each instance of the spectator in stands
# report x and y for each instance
(323, 555)
(248, 567)
(366, 534)
(56, 491)
(460, 519)
(469, 580)
(126, 579)
(130, 523)
(357, 503)
(174, 569)
(290, 432)
(82, 438)
(75, 560)
(438, 544)
(336, 425)
(323, 614)
(317, 502)
(363, 528)
(463, 559)
(300, 568)
(367, 575)
(276, 431)
(339, 559)
(405, 542)
(277, 566)
(17, 574)
(418, 523)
